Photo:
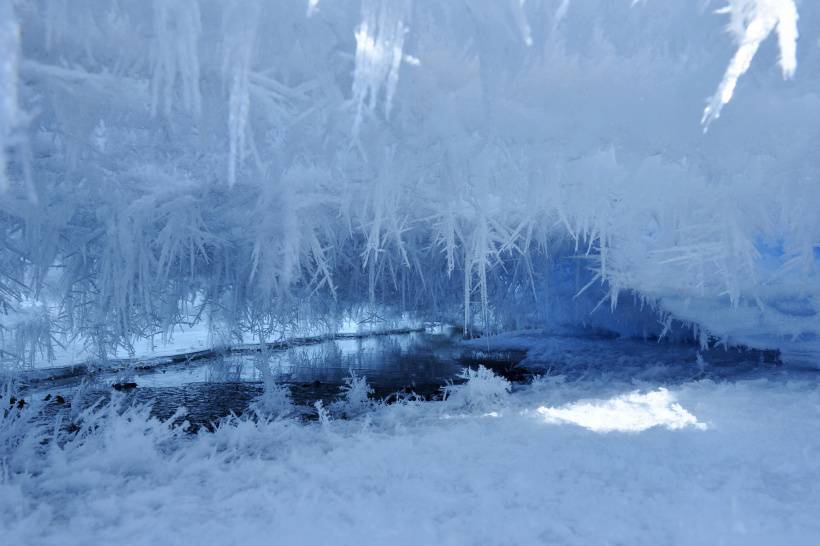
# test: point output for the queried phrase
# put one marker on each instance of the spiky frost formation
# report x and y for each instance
(496, 163)
(752, 21)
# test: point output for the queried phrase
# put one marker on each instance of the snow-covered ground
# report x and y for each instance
(183, 339)
(561, 461)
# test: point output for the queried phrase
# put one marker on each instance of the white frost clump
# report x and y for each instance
(355, 398)
(275, 400)
(752, 21)
(482, 391)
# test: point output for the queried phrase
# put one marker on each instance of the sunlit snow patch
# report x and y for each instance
(632, 412)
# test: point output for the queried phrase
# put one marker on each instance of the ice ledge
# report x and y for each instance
(758, 325)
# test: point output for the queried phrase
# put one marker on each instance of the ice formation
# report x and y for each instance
(496, 163)
(176, 36)
(752, 22)
(379, 54)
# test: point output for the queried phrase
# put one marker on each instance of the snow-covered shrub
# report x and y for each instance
(547, 381)
(322, 413)
(483, 390)
(275, 400)
(355, 396)
(133, 439)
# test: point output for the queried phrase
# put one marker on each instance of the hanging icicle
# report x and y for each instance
(379, 54)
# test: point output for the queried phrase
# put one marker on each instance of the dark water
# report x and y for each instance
(398, 365)
(415, 363)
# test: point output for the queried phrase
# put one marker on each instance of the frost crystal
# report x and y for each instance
(240, 34)
(752, 21)
(379, 53)
(177, 27)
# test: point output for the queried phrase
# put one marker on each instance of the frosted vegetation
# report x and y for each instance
(482, 390)
(255, 164)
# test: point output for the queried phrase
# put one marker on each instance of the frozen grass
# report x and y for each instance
(355, 398)
(742, 469)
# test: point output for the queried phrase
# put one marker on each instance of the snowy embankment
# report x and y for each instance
(557, 462)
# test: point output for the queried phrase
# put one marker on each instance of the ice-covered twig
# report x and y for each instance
(752, 21)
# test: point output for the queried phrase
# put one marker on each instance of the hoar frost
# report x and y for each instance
(194, 161)
(752, 21)
(379, 53)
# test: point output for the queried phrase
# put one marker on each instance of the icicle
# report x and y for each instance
(177, 26)
(9, 69)
(240, 34)
(379, 53)
(752, 21)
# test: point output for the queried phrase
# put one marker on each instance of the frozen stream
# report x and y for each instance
(417, 363)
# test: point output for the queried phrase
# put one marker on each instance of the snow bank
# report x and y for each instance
(701, 463)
